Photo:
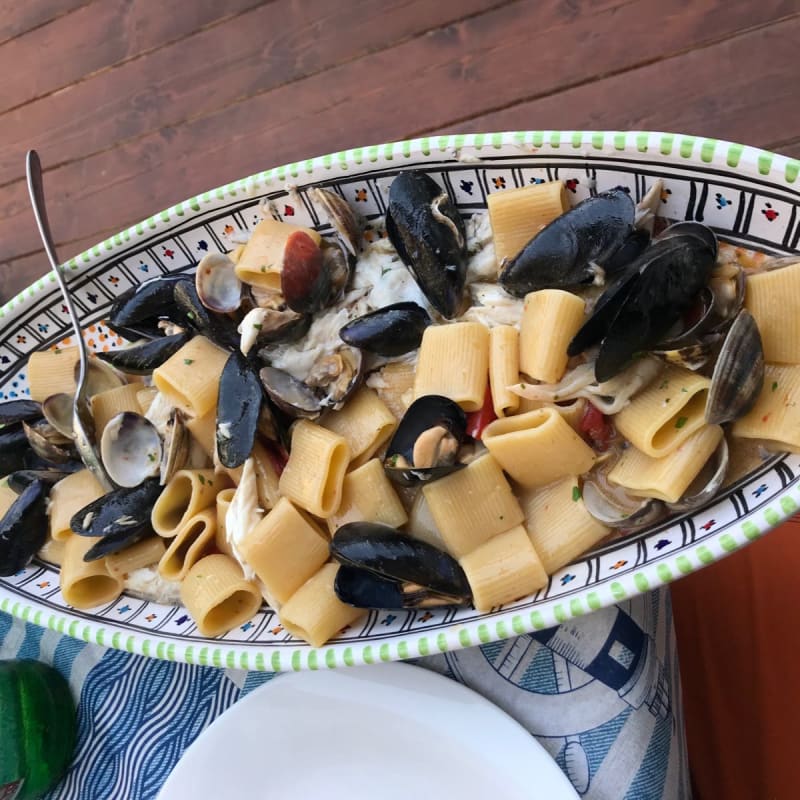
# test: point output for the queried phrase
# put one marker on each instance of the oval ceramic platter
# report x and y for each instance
(749, 196)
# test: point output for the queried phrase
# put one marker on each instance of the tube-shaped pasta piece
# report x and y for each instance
(217, 596)
(550, 318)
(69, 496)
(503, 368)
(394, 384)
(236, 253)
(775, 417)
(368, 496)
(503, 569)
(145, 397)
(537, 448)
(189, 545)
(666, 413)
(52, 372)
(668, 477)
(454, 361)
(203, 430)
(517, 215)
(773, 298)
(558, 523)
(261, 261)
(188, 492)
(52, 551)
(223, 504)
(314, 613)
(365, 422)
(86, 584)
(7, 498)
(314, 473)
(106, 405)
(190, 377)
(285, 549)
(472, 504)
(142, 554)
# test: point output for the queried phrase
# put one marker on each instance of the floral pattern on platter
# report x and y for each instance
(748, 196)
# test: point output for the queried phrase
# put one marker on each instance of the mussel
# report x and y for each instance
(427, 231)
(143, 358)
(136, 312)
(574, 248)
(219, 328)
(389, 331)
(426, 443)
(384, 568)
(23, 528)
(19, 411)
(23, 478)
(638, 309)
(238, 410)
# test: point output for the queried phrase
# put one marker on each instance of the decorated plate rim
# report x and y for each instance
(696, 550)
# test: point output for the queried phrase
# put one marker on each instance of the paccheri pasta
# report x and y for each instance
(496, 412)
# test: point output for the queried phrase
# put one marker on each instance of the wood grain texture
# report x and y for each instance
(451, 73)
(17, 18)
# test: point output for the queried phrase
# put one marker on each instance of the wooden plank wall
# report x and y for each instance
(137, 104)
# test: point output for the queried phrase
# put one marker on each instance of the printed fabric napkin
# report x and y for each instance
(600, 693)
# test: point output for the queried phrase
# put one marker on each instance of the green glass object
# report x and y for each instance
(37, 729)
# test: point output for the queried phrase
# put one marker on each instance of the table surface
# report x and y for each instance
(134, 105)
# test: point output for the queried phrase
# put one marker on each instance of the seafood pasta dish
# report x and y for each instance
(429, 411)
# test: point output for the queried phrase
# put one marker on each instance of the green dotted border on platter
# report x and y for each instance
(735, 156)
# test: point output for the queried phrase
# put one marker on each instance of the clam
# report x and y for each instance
(131, 449)
(426, 443)
(614, 507)
(57, 410)
(739, 372)
(289, 394)
(384, 568)
(390, 331)
(23, 528)
(176, 446)
(573, 248)
(340, 215)
(427, 231)
(335, 376)
(218, 287)
(189, 310)
(48, 443)
(707, 483)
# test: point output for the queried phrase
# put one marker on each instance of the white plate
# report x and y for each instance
(388, 731)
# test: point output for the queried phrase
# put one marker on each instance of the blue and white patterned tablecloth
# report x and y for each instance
(601, 694)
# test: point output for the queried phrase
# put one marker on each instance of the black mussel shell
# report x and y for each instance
(122, 511)
(137, 311)
(565, 252)
(19, 411)
(238, 409)
(23, 528)
(637, 241)
(14, 447)
(696, 229)
(115, 542)
(424, 414)
(219, 328)
(390, 331)
(142, 359)
(384, 551)
(427, 231)
(20, 480)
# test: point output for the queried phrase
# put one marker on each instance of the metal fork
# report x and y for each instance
(82, 421)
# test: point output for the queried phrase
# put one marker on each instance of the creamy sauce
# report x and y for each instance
(148, 584)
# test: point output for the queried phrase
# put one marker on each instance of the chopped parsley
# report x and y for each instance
(188, 361)
(664, 383)
(201, 479)
(258, 326)
(681, 422)
(774, 385)
(576, 494)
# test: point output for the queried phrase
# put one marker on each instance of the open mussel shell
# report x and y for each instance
(614, 507)
(290, 395)
(424, 226)
(567, 251)
(23, 528)
(131, 449)
(390, 331)
(48, 443)
(218, 287)
(424, 574)
(340, 215)
(706, 485)
(136, 312)
(739, 372)
(189, 310)
(143, 358)
(693, 356)
(18, 411)
(426, 443)
(238, 409)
